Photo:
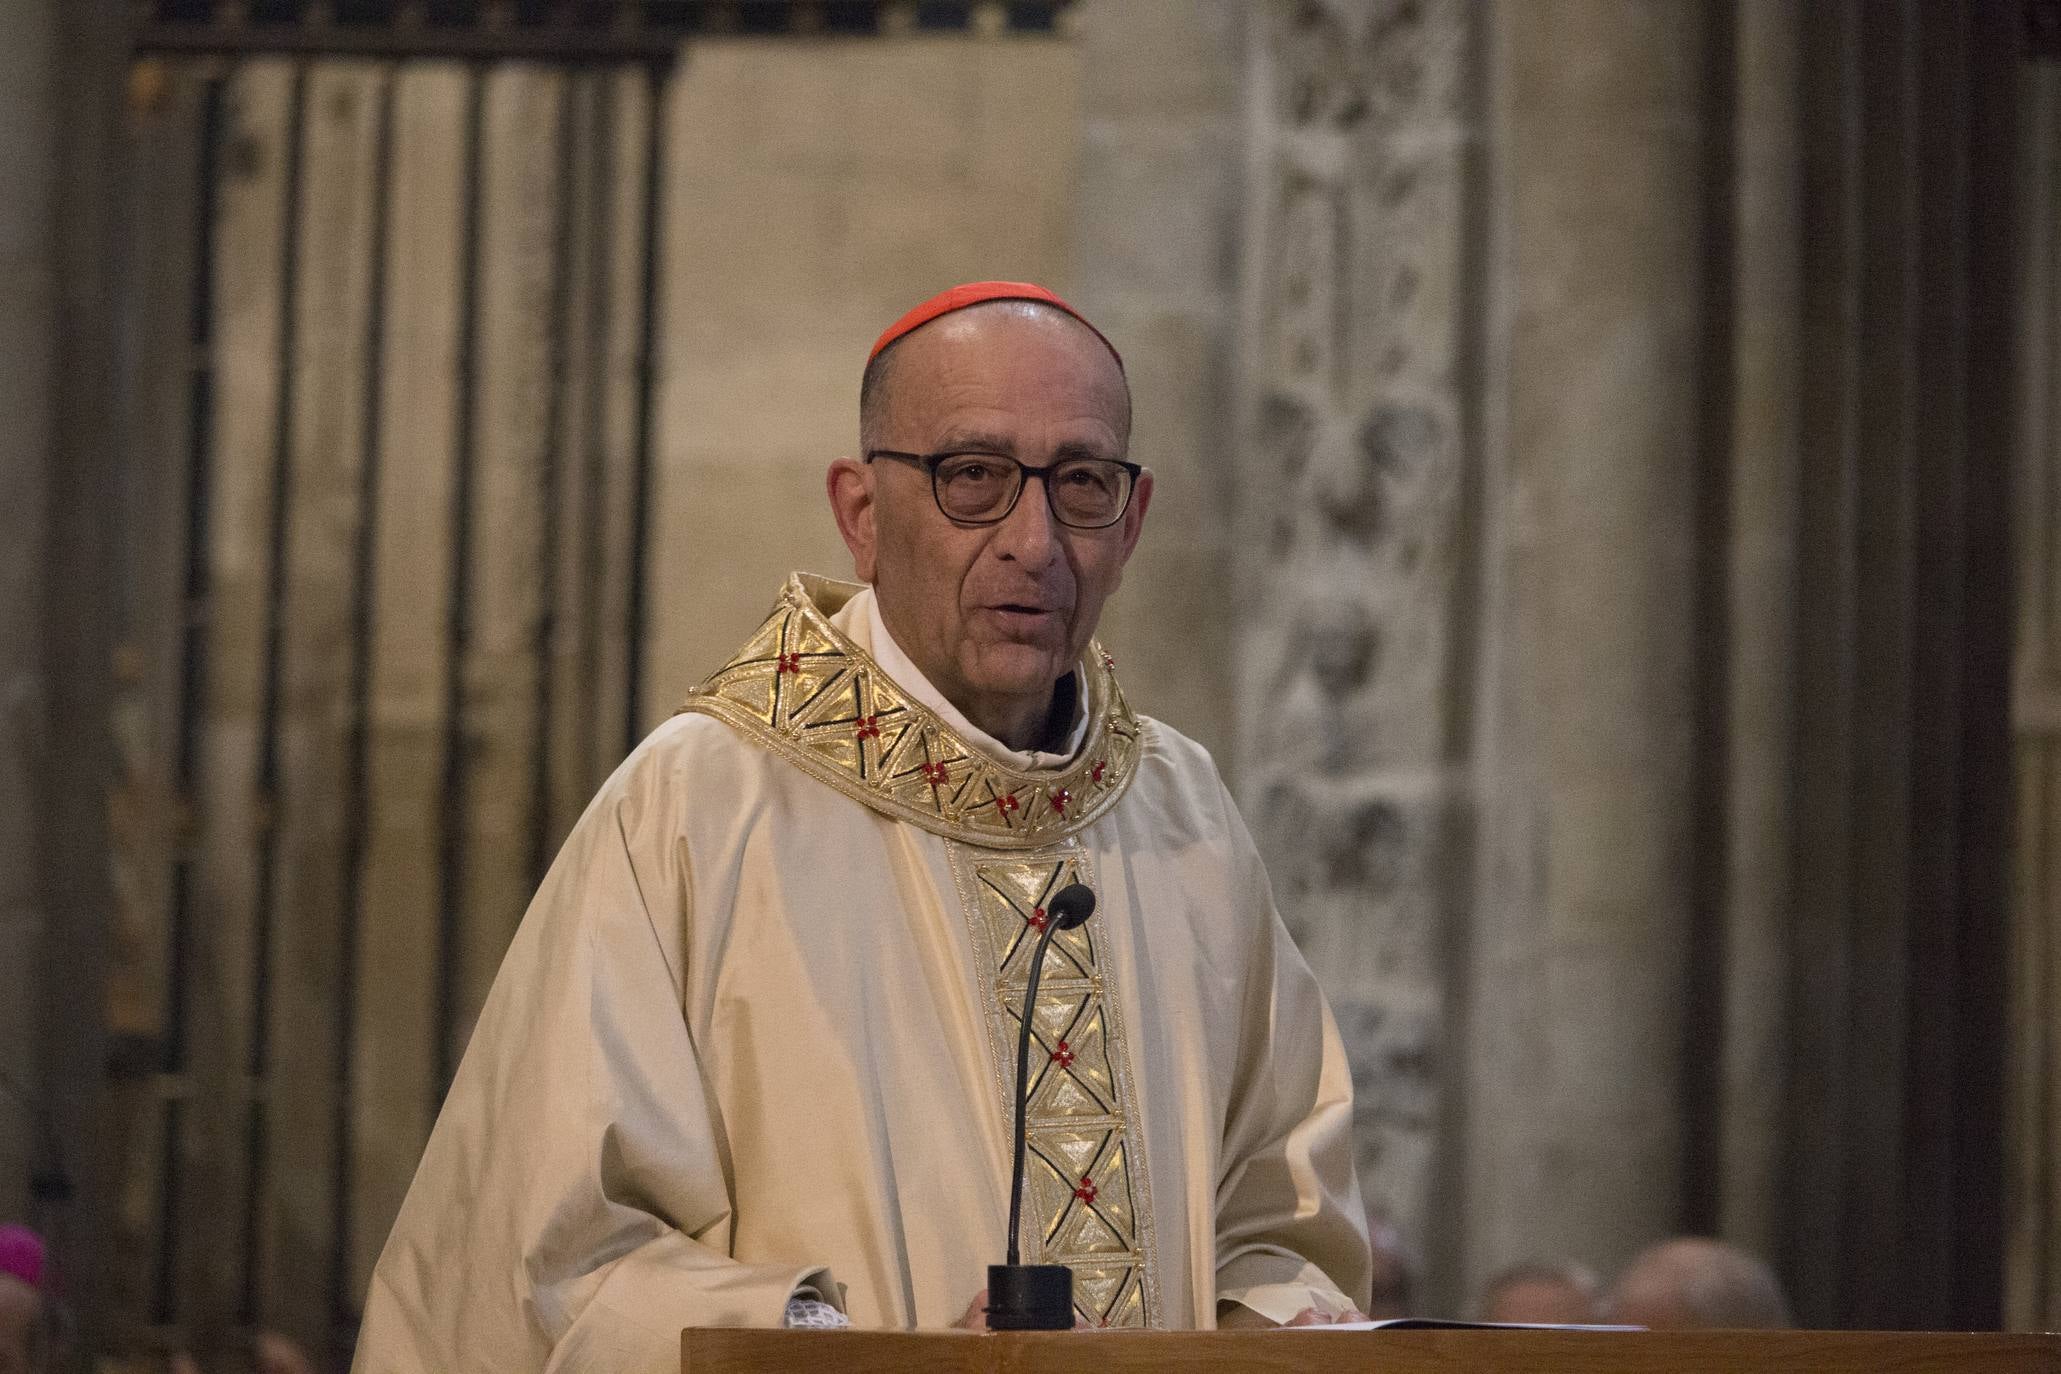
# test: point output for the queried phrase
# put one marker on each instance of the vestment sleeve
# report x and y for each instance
(1291, 1231)
(572, 1209)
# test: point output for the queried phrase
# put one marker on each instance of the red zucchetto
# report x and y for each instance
(977, 293)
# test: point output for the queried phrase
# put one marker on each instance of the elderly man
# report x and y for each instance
(751, 1055)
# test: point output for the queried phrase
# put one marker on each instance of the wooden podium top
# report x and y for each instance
(709, 1351)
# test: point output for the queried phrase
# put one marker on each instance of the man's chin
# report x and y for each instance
(1017, 670)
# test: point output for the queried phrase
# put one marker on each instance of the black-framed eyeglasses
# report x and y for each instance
(982, 488)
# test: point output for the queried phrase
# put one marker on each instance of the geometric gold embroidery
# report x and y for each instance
(1085, 1200)
(800, 688)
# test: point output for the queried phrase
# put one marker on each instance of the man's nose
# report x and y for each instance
(1030, 534)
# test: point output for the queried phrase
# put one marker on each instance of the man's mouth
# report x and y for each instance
(1023, 619)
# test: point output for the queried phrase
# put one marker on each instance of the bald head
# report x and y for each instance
(885, 372)
(1691, 1283)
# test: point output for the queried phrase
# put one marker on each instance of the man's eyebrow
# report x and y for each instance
(983, 441)
(975, 441)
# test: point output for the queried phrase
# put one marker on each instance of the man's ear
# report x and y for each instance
(850, 484)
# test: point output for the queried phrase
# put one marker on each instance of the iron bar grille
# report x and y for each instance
(385, 313)
(560, 30)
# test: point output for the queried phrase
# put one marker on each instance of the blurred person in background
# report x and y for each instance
(1550, 1292)
(1692, 1283)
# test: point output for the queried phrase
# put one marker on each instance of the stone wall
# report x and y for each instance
(813, 192)
(1155, 260)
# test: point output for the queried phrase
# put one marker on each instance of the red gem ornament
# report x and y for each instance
(869, 727)
(1006, 803)
(1085, 1189)
(1063, 1056)
(1037, 918)
(789, 663)
(1108, 659)
(935, 774)
(1095, 773)
(1061, 798)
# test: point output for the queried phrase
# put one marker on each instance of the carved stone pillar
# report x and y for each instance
(1356, 541)
(1577, 953)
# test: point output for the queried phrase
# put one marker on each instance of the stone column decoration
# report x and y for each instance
(1457, 442)
(2032, 1298)
(1356, 543)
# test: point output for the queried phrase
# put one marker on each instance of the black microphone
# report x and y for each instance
(1034, 1297)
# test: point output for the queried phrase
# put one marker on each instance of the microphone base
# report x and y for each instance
(1030, 1297)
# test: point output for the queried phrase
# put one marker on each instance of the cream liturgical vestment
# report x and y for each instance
(756, 1037)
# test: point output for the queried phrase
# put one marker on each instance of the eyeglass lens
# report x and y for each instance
(1085, 492)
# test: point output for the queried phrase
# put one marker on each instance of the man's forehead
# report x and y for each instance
(1001, 339)
(971, 384)
(986, 366)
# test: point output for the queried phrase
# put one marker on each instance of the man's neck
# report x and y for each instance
(1029, 726)
(1032, 723)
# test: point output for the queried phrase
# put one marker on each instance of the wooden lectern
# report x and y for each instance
(713, 1351)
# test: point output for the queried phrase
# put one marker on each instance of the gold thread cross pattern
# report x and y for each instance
(1079, 1204)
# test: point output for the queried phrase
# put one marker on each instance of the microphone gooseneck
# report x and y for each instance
(1034, 1297)
(1073, 906)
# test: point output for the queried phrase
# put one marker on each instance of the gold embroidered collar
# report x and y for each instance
(803, 690)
